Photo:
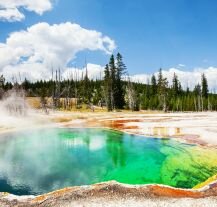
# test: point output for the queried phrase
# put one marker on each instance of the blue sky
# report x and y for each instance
(149, 33)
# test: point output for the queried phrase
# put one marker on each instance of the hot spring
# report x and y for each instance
(42, 160)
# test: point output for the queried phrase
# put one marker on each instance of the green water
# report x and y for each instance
(43, 160)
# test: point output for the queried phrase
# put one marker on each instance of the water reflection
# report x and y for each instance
(163, 131)
(81, 138)
(115, 148)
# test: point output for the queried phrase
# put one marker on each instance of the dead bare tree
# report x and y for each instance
(132, 98)
(2, 82)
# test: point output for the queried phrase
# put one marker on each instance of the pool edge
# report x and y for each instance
(112, 188)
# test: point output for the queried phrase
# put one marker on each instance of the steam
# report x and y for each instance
(34, 158)
(15, 113)
(14, 103)
(42, 160)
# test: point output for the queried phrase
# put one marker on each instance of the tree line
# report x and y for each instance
(116, 91)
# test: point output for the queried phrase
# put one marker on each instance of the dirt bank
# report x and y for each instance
(115, 194)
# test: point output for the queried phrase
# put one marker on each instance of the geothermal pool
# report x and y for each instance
(42, 160)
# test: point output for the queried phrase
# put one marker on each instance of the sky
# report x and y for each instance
(175, 35)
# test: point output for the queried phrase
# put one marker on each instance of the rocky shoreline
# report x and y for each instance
(116, 194)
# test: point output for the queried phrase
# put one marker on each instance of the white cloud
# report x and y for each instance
(11, 10)
(187, 78)
(94, 72)
(39, 71)
(181, 65)
(31, 71)
(34, 52)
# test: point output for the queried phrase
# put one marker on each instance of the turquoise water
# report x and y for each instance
(43, 160)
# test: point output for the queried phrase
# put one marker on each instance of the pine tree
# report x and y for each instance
(153, 85)
(162, 90)
(197, 90)
(86, 88)
(114, 84)
(112, 70)
(204, 85)
(197, 97)
(107, 88)
(187, 91)
(175, 86)
(119, 92)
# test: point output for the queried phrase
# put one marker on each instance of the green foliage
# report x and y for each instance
(162, 87)
(176, 87)
(108, 88)
(204, 84)
(119, 93)
(116, 93)
(153, 85)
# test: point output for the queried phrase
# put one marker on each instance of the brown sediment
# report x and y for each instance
(120, 123)
(156, 131)
(61, 119)
(174, 192)
(130, 120)
(132, 128)
(109, 191)
(193, 139)
(129, 125)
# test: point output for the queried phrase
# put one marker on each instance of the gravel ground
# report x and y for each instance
(116, 194)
